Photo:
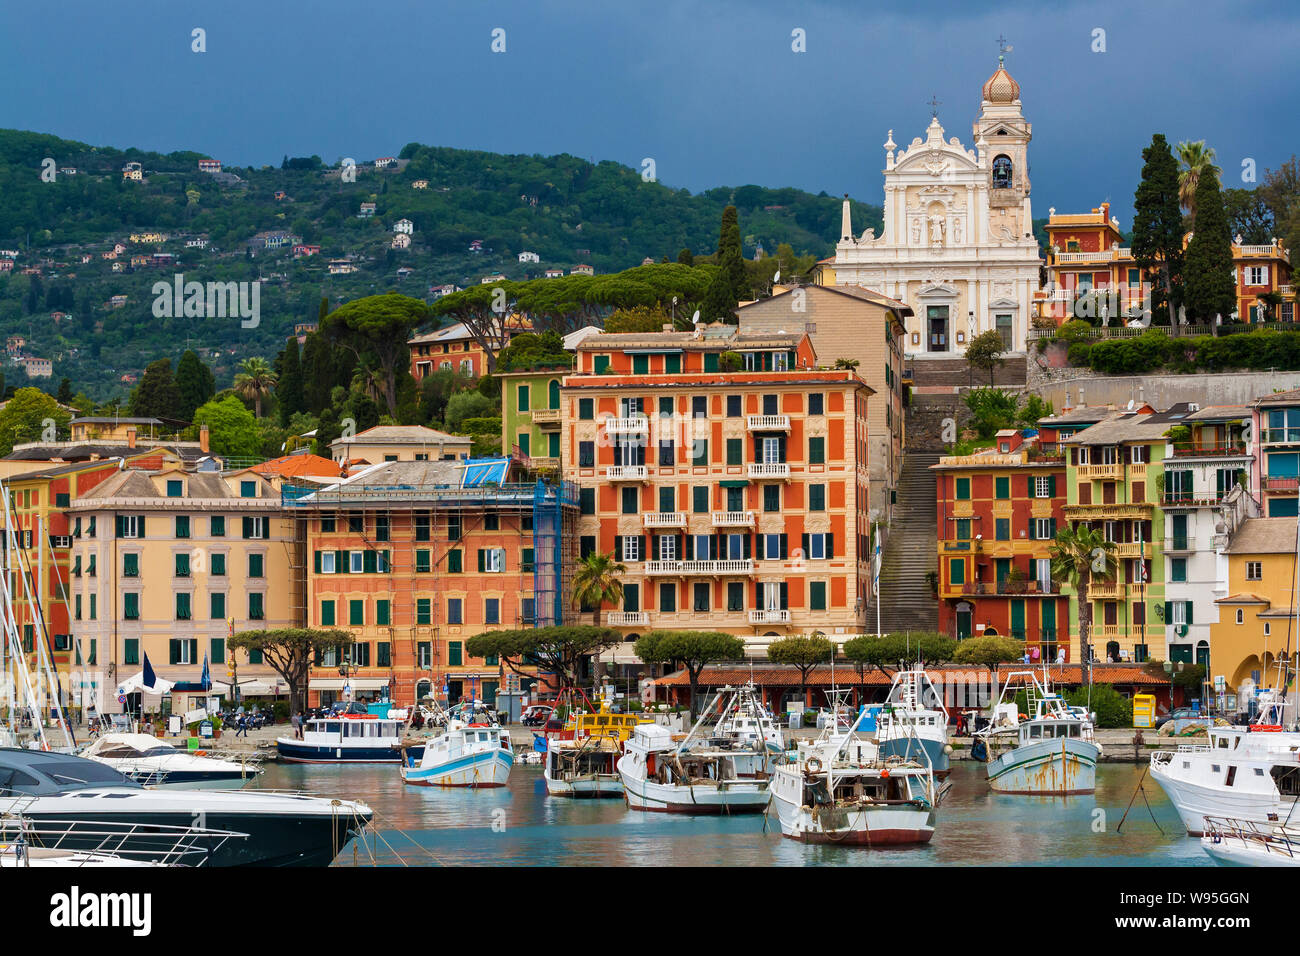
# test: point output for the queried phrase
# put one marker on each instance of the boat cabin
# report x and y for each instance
(1047, 729)
(355, 731)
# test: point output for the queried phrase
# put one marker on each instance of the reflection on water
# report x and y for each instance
(520, 825)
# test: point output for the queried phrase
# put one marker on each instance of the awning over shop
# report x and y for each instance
(338, 683)
(135, 684)
(251, 688)
(734, 483)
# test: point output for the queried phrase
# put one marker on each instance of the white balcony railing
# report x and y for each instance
(665, 519)
(769, 470)
(717, 567)
(635, 425)
(733, 519)
(768, 423)
(775, 616)
(627, 473)
(546, 416)
(627, 618)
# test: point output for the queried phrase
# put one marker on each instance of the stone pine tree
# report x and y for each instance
(730, 284)
(1158, 227)
(1208, 289)
(195, 382)
(288, 390)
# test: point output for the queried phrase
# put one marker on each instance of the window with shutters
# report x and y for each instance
(700, 499)
(700, 447)
(129, 526)
(130, 565)
(183, 609)
(1044, 528)
(1002, 529)
(733, 406)
(1044, 486)
(383, 612)
(131, 650)
(771, 498)
(735, 596)
(94, 598)
(963, 489)
(667, 544)
(356, 523)
(423, 563)
(1002, 486)
(453, 527)
(175, 488)
(381, 527)
(587, 501)
(217, 606)
(383, 654)
(356, 562)
(816, 497)
(356, 613)
(817, 595)
(701, 596)
(816, 403)
(131, 606)
(631, 547)
(182, 526)
(257, 565)
(423, 611)
(817, 546)
(455, 563)
(255, 527)
(182, 565)
(817, 451)
(492, 611)
(667, 597)
(667, 454)
(735, 451)
(256, 606)
(586, 409)
(630, 504)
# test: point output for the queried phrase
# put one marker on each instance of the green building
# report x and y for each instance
(530, 415)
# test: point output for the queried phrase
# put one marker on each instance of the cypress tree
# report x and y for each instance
(195, 383)
(731, 283)
(1157, 241)
(157, 395)
(288, 389)
(1207, 275)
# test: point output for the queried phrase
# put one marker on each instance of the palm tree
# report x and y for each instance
(597, 581)
(1197, 158)
(1078, 554)
(254, 382)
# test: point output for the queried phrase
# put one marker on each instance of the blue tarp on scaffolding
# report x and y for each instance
(482, 471)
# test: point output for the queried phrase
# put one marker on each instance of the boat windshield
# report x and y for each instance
(128, 752)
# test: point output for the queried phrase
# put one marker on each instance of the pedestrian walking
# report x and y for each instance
(297, 725)
(242, 727)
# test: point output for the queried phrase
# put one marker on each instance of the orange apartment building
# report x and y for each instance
(455, 349)
(998, 511)
(417, 557)
(728, 474)
(1086, 253)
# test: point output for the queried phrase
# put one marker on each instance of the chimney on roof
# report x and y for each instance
(1141, 395)
(130, 436)
(668, 326)
(203, 438)
(1082, 403)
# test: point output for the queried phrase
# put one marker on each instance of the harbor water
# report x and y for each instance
(519, 825)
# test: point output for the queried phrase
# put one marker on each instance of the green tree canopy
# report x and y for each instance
(290, 651)
(289, 384)
(693, 650)
(989, 651)
(558, 648)
(804, 653)
(232, 428)
(985, 352)
(375, 329)
(31, 415)
(892, 650)
(529, 351)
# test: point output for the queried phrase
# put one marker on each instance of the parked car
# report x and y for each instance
(1182, 713)
(536, 715)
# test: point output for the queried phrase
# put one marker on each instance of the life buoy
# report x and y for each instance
(814, 765)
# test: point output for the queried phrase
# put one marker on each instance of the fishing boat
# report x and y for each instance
(156, 763)
(912, 717)
(1232, 842)
(747, 721)
(472, 751)
(700, 773)
(842, 789)
(74, 799)
(582, 760)
(1050, 753)
(345, 738)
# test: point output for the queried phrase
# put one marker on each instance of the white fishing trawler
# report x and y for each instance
(1049, 752)
(704, 774)
(473, 751)
(1250, 774)
(842, 789)
(914, 719)
(747, 720)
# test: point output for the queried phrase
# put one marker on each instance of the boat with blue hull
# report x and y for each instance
(1050, 753)
(912, 724)
(473, 751)
(345, 738)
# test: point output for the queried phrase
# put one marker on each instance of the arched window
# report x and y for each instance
(554, 393)
(1002, 172)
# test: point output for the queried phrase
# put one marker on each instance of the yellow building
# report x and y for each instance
(1257, 617)
(401, 443)
(169, 562)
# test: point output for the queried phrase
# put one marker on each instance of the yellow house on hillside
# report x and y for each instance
(1256, 618)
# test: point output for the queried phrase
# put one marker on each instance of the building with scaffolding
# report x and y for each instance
(417, 557)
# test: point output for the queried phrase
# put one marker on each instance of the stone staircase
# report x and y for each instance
(910, 552)
(950, 373)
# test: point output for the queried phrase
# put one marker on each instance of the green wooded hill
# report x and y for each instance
(566, 210)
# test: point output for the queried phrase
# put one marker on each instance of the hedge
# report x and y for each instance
(1205, 353)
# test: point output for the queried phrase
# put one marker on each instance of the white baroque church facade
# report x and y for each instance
(958, 244)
